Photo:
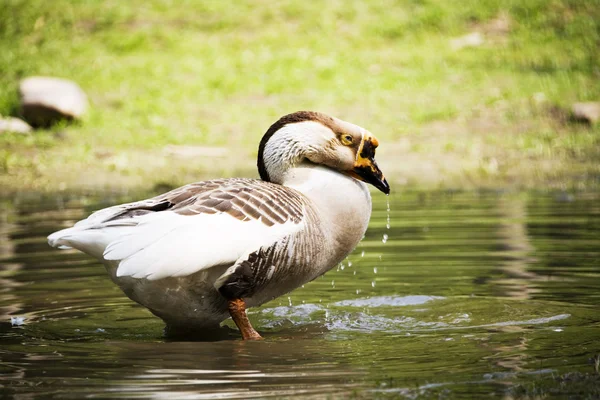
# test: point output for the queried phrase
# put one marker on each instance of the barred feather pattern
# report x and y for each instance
(244, 199)
(278, 268)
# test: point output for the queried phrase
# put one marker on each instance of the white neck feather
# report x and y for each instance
(291, 145)
(344, 202)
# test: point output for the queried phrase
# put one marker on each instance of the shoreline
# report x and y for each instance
(414, 172)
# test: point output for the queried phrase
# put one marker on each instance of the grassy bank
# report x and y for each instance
(161, 74)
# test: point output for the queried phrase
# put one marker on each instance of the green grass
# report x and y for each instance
(219, 73)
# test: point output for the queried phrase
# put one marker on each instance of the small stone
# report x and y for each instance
(500, 25)
(588, 112)
(46, 100)
(195, 151)
(17, 321)
(14, 125)
(472, 39)
(539, 97)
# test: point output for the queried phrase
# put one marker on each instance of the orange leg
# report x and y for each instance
(237, 310)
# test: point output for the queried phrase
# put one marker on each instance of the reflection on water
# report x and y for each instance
(449, 294)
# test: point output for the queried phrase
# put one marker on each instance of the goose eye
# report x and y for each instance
(347, 140)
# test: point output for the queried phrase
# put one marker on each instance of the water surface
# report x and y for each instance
(463, 295)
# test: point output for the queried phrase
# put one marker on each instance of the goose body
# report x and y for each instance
(205, 251)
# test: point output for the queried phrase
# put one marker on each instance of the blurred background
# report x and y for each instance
(485, 93)
(451, 294)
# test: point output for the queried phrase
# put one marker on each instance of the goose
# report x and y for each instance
(209, 250)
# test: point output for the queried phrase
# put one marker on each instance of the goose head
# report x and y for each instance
(306, 137)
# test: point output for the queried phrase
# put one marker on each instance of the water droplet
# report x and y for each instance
(290, 301)
(354, 273)
(302, 286)
(342, 267)
(362, 254)
(357, 291)
(380, 258)
(387, 225)
(385, 238)
(374, 270)
(372, 283)
(349, 263)
(332, 283)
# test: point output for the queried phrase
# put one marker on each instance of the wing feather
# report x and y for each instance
(188, 244)
(188, 229)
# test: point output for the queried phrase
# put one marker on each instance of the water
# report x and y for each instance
(466, 295)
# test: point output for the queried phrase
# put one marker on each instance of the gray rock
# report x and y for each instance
(15, 125)
(46, 100)
(588, 112)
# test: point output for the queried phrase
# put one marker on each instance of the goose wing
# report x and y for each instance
(193, 227)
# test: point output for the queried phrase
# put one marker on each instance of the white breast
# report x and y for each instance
(342, 203)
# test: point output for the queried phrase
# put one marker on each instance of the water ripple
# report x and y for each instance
(388, 301)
